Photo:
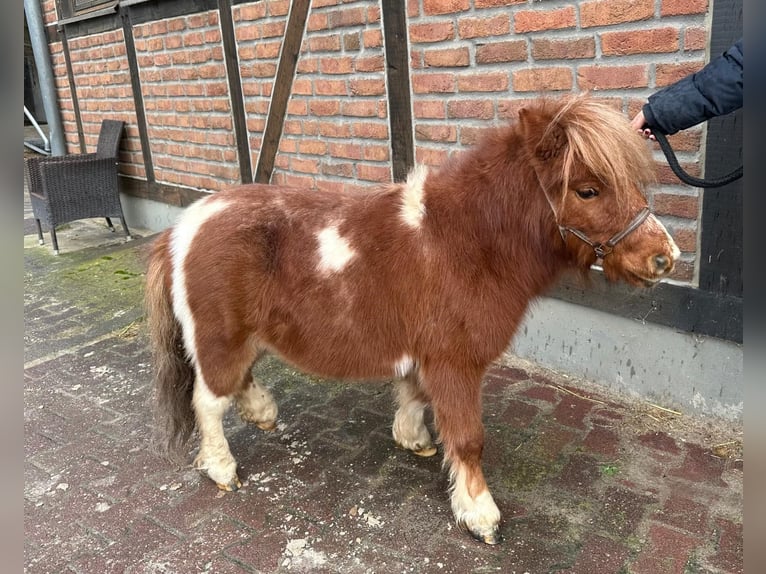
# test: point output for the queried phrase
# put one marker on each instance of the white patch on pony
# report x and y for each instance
(656, 225)
(480, 515)
(413, 208)
(214, 455)
(403, 366)
(334, 251)
(181, 239)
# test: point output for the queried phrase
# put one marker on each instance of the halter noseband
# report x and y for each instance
(604, 249)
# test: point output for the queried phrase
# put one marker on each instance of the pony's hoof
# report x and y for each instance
(492, 538)
(425, 452)
(267, 426)
(232, 486)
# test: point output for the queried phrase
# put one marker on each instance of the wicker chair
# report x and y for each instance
(79, 186)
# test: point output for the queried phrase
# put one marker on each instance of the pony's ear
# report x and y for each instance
(544, 139)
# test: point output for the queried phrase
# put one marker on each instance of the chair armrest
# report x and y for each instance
(85, 180)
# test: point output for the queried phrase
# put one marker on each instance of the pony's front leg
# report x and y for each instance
(214, 457)
(456, 400)
(409, 428)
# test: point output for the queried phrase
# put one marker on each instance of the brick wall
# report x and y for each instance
(336, 132)
(474, 63)
(259, 29)
(102, 83)
(186, 98)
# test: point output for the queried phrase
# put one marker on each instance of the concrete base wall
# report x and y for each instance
(147, 214)
(673, 369)
(670, 368)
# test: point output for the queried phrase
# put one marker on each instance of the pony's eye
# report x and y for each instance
(587, 193)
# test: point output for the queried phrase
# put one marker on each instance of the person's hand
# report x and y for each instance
(637, 123)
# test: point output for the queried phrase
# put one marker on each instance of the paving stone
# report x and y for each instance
(729, 554)
(684, 514)
(666, 552)
(571, 411)
(701, 465)
(599, 554)
(602, 441)
(660, 441)
(623, 510)
(542, 393)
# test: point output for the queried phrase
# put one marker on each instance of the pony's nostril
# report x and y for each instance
(661, 262)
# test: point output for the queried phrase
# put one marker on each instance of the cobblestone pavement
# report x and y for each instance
(588, 482)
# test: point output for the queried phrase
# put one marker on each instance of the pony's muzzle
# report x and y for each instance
(662, 264)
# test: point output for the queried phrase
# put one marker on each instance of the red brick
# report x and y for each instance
(579, 473)
(612, 77)
(666, 74)
(509, 373)
(347, 17)
(607, 12)
(682, 7)
(336, 65)
(677, 205)
(488, 82)
(666, 552)
(478, 109)
(430, 156)
(436, 32)
(371, 64)
(433, 83)
(446, 58)
(730, 547)
(437, 133)
(695, 39)
(542, 79)
(495, 3)
(373, 172)
(685, 238)
(369, 130)
(542, 393)
(372, 38)
(435, 7)
(602, 441)
(368, 87)
(330, 87)
(429, 109)
(482, 27)
(654, 41)
(537, 20)
(571, 411)
(684, 514)
(494, 52)
(701, 465)
(519, 414)
(569, 49)
(599, 554)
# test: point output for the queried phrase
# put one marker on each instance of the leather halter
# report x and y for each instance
(604, 249)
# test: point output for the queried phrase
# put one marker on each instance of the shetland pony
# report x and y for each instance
(424, 282)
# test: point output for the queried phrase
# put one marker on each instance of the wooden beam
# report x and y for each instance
(283, 83)
(138, 97)
(73, 89)
(235, 90)
(398, 71)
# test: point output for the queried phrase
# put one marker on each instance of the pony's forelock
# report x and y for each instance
(602, 139)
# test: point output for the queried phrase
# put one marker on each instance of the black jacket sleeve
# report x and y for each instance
(715, 90)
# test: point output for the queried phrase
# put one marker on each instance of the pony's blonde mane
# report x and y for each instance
(602, 139)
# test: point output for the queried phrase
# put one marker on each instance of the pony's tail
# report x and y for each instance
(173, 372)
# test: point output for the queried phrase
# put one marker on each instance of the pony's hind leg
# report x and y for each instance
(409, 428)
(255, 404)
(224, 379)
(214, 457)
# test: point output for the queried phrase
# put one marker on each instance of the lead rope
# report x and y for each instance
(685, 177)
